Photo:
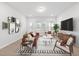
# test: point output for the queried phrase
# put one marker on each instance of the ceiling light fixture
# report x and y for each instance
(41, 9)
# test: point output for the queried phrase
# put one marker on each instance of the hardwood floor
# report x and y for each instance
(11, 50)
(76, 51)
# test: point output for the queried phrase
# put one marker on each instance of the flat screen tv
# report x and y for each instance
(67, 24)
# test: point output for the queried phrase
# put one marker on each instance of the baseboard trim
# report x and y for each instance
(10, 42)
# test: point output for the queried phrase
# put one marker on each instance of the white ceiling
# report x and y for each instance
(30, 8)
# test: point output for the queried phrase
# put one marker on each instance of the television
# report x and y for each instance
(67, 24)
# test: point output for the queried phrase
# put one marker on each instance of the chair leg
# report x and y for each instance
(71, 50)
(70, 54)
(54, 47)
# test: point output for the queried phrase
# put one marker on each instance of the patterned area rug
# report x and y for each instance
(34, 52)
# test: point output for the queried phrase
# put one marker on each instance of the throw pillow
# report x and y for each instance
(70, 40)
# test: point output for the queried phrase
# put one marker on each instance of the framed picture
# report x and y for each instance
(13, 25)
(4, 25)
(11, 28)
(17, 27)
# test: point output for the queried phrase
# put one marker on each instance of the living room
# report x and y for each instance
(45, 22)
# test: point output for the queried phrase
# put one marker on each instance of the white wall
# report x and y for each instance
(5, 38)
(73, 12)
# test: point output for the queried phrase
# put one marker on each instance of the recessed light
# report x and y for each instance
(41, 9)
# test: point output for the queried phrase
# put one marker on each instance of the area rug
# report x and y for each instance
(35, 52)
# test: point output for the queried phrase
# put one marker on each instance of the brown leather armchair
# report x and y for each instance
(35, 40)
(67, 47)
(25, 42)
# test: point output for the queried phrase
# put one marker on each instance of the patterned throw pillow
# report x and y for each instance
(70, 40)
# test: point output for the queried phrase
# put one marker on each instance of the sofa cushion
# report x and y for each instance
(64, 39)
(60, 35)
(30, 37)
(70, 40)
(31, 33)
(65, 48)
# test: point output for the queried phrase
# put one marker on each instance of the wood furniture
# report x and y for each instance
(35, 40)
(30, 40)
(66, 43)
(61, 36)
(26, 42)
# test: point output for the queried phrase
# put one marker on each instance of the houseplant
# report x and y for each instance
(56, 27)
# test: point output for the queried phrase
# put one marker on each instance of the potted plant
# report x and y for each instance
(56, 27)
